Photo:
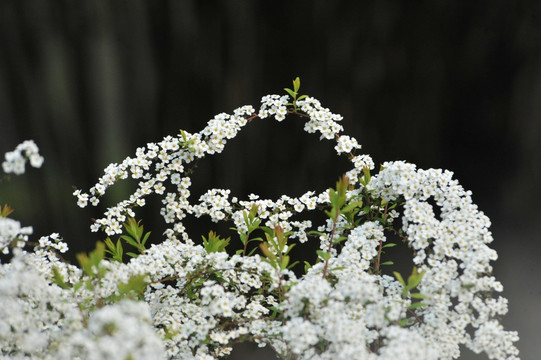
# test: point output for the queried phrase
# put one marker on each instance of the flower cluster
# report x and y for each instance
(16, 159)
(12, 234)
(183, 299)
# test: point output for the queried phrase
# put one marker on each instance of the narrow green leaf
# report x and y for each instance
(323, 254)
(290, 92)
(415, 278)
(265, 249)
(285, 262)
(130, 241)
(289, 247)
(145, 238)
(418, 296)
(416, 305)
(399, 278)
(255, 239)
(297, 84)
(339, 239)
(119, 250)
(58, 279)
(403, 322)
(110, 245)
(350, 207)
(290, 266)
(251, 252)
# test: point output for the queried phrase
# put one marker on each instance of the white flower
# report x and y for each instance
(16, 159)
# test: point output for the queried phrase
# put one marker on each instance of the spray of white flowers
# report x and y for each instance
(190, 299)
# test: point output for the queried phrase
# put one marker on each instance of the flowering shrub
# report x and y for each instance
(188, 299)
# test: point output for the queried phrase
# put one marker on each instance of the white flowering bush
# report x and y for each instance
(189, 299)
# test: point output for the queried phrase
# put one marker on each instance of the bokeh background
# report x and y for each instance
(443, 84)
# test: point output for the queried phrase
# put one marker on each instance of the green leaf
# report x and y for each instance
(116, 251)
(416, 305)
(135, 286)
(289, 247)
(284, 262)
(130, 241)
(111, 248)
(5, 211)
(265, 249)
(132, 227)
(348, 208)
(98, 254)
(290, 92)
(183, 135)
(418, 296)
(242, 238)
(323, 255)
(58, 279)
(77, 285)
(302, 97)
(297, 84)
(145, 238)
(366, 172)
(255, 239)
(251, 252)
(332, 213)
(387, 263)
(290, 266)
(91, 263)
(339, 239)
(399, 278)
(389, 245)
(403, 322)
(415, 278)
(214, 243)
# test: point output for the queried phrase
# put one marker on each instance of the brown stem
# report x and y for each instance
(416, 316)
(331, 236)
(245, 244)
(252, 117)
(298, 113)
(378, 259)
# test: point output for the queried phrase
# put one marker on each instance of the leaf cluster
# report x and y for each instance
(294, 93)
(5, 211)
(136, 237)
(276, 248)
(413, 281)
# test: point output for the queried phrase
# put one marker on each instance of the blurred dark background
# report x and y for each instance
(443, 84)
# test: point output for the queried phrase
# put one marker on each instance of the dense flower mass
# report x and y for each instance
(187, 299)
